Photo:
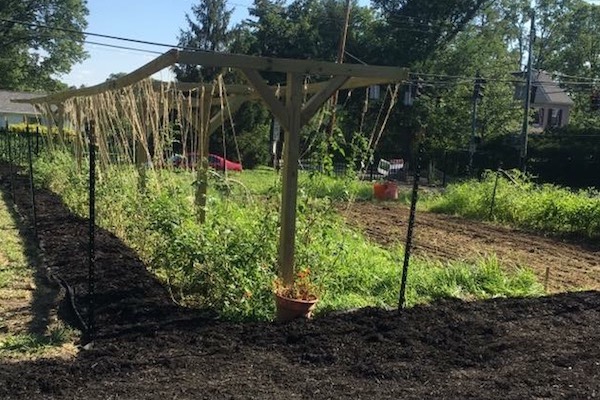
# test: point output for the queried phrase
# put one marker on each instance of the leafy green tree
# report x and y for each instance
(208, 30)
(574, 43)
(31, 56)
(413, 30)
(446, 107)
(304, 29)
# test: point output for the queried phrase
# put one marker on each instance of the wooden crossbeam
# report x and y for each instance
(306, 67)
(163, 61)
(195, 86)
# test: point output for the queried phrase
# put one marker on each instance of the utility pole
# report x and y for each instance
(525, 127)
(340, 60)
(477, 95)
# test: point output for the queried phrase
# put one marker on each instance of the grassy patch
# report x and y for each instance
(544, 208)
(14, 264)
(28, 343)
(17, 282)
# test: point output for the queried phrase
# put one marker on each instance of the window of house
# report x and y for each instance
(554, 117)
(538, 117)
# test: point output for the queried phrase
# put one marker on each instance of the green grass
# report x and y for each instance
(14, 264)
(17, 264)
(28, 343)
(543, 208)
(229, 263)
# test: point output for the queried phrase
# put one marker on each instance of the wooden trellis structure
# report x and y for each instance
(292, 113)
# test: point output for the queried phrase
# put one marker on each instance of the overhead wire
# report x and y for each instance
(438, 82)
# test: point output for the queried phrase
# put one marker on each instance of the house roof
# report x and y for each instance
(548, 91)
(8, 107)
(545, 90)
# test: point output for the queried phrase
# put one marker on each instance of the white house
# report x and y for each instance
(17, 113)
(551, 103)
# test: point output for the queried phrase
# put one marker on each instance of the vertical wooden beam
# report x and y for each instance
(287, 236)
(141, 155)
(202, 157)
(140, 162)
(78, 140)
(60, 121)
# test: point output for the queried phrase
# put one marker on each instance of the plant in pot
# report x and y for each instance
(298, 299)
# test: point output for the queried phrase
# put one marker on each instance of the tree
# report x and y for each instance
(31, 55)
(208, 30)
(413, 30)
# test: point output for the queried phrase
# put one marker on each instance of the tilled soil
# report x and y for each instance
(148, 348)
(572, 264)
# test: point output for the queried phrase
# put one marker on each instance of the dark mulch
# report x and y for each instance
(149, 348)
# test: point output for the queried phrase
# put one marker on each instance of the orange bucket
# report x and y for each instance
(379, 191)
(385, 191)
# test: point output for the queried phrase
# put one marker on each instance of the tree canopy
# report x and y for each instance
(208, 29)
(31, 55)
(446, 43)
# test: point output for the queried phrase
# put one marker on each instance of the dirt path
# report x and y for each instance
(572, 266)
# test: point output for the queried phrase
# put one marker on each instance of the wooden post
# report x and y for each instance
(202, 157)
(140, 163)
(78, 139)
(290, 177)
(60, 123)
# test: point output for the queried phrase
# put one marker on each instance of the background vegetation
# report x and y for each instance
(444, 43)
(522, 203)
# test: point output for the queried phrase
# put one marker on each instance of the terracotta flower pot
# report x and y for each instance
(289, 309)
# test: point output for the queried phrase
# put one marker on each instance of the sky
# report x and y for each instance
(154, 21)
(149, 20)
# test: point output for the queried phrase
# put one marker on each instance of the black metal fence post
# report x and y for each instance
(493, 202)
(444, 176)
(32, 185)
(37, 141)
(411, 225)
(3, 141)
(91, 133)
(10, 166)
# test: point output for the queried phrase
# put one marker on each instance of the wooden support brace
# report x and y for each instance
(266, 93)
(313, 105)
(234, 105)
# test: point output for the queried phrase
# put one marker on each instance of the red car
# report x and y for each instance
(219, 163)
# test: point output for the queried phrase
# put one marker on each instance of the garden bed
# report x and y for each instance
(148, 347)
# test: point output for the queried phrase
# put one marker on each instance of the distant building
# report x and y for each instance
(18, 113)
(551, 103)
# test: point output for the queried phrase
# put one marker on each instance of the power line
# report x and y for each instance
(139, 41)
(442, 80)
(114, 46)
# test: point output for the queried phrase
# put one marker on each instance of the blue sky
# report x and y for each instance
(154, 20)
